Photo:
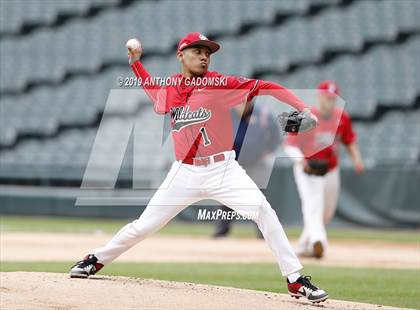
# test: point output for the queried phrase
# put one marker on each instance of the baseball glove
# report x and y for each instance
(296, 121)
(316, 167)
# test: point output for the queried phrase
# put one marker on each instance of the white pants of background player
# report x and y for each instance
(224, 181)
(318, 195)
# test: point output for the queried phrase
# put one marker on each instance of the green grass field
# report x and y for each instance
(78, 225)
(393, 287)
(398, 288)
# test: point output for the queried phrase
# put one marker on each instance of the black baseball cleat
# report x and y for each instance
(304, 288)
(86, 267)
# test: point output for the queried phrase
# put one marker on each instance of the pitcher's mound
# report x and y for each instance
(32, 290)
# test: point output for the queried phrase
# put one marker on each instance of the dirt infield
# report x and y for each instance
(71, 247)
(30, 290)
(26, 290)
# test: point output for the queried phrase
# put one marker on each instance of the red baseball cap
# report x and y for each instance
(329, 88)
(196, 38)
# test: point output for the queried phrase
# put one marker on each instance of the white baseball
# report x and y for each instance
(133, 44)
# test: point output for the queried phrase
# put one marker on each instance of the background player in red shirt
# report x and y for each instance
(316, 171)
(205, 166)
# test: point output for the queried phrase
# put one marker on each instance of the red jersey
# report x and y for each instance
(322, 142)
(200, 117)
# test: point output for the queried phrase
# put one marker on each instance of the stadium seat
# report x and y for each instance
(17, 13)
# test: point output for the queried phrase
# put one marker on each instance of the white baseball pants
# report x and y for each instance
(319, 196)
(184, 185)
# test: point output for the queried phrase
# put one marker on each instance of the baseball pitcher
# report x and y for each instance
(205, 165)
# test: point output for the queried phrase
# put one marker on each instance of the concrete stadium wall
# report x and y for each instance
(382, 197)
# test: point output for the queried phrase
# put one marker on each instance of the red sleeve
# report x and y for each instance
(155, 92)
(268, 88)
(236, 90)
(239, 82)
(244, 85)
(348, 136)
(255, 87)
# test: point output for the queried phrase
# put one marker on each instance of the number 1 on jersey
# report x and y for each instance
(206, 141)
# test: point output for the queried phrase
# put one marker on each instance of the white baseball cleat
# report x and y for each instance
(304, 288)
(86, 267)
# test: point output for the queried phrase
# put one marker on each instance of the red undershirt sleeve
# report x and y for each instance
(155, 92)
(268, 88)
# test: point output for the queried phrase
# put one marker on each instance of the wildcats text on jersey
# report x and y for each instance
(183, 117)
